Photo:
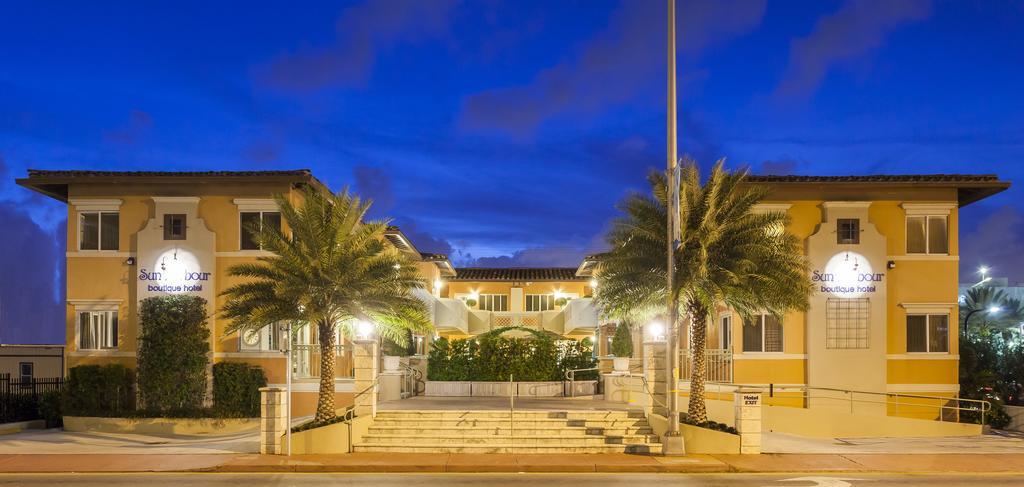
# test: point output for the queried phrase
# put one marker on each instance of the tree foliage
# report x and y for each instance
(622, 341)
(728, 254)
(174, 352)
(332, 271)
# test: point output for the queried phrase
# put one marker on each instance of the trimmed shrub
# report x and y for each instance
(50, 410)
(575, 355)
(622, 341)
(236, 389)
(99, 390)
(174, 352)
(711, 425)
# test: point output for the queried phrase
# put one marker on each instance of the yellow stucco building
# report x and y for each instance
(884, 254)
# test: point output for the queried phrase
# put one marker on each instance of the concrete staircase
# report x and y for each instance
(491, 432)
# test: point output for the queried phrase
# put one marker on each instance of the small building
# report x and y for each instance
(27, 362)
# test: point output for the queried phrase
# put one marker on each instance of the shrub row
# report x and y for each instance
(495, 357)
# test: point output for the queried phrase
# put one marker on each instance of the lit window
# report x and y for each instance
(927, 234)
(847, 323)
(928, 333)
(97, 330)
(98, 230)
(848, 231)
(540, 302)
(494, 302)
(725, 332)
(174, 227)
(261, 340)
(763, 334)
(256, 221)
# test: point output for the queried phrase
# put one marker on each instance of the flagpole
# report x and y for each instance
(672, 443)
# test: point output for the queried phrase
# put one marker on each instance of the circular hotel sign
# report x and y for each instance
(847, 275)
(175, 271)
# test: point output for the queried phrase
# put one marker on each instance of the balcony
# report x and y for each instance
(718, 364)
(306, 362)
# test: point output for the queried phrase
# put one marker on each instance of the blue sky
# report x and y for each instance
(500, 132)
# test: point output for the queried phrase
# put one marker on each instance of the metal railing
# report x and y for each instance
(412, 378)
(570, 375)
(718, 364)
(938, 408)
(306, 360)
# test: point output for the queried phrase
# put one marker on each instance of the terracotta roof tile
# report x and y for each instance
(42, 173)
(516, 274)
(878, 178)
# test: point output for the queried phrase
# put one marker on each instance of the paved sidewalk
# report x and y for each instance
(423, 463)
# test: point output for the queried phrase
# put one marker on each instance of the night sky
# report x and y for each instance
(499, 132)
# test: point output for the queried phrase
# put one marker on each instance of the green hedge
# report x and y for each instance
(99, 390)
(174, 348)
(236, 389)
(494, 357)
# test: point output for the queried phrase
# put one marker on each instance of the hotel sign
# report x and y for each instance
(847, 275)
(175, 271)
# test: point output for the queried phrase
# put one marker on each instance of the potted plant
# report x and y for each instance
(471, 302)
(622, 348)
(561, 302)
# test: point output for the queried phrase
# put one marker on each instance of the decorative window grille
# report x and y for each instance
(847, 323)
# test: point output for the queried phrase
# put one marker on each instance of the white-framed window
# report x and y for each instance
(540, 302)
(98, 230)
(927, 333)
(494, 302)
(26, 372)
(97, 330)
(848, 231)
(258, 219)
(927, 234)
(262, 340)
(762, 334)
(847, 323)
(725, 332)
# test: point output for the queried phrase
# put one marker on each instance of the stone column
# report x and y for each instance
(367, 363)
(654, 372)
(748, 419)
(273, 420)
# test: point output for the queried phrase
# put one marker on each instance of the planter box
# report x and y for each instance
(162, 426)
(492, 389)
(539, 389)
(448, 388)
(581, 388)
(708, 441)
(505, 389)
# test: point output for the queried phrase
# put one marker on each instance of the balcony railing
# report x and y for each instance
(718, 364)
(306, 361)
(525, 319)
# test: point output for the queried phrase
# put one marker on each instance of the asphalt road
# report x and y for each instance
(524, 479)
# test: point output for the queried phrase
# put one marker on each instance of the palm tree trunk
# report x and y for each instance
(698, 335)
(325, 401)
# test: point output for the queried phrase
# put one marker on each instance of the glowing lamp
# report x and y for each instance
(656, 330)
(364, 329)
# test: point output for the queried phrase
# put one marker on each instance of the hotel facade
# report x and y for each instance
(883, 251)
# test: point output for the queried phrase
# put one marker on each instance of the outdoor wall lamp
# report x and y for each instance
(364, 330)
(130, 261)
(890, 265)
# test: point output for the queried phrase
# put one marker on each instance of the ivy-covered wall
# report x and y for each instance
(174, 348)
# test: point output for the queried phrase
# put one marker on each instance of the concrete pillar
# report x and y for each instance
(748, 419)
(367, 368)
(273, 420)
(654, 372)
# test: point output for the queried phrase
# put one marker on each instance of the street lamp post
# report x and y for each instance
(672, 442)
(286, 342)
(967, 319)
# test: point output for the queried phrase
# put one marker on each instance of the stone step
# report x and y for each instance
(518, 414)
(526, 440)
(504, 430)
(517, 422)
(651, 448)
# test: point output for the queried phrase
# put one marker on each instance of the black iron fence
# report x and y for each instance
(20, 400)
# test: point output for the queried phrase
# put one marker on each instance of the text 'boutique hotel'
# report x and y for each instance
(883, 252)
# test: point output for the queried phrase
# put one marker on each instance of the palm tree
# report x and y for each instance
(992, 308)
(332, 272)
(729, 254)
